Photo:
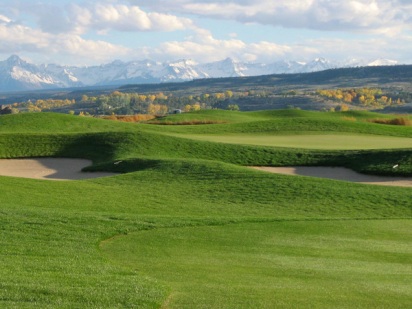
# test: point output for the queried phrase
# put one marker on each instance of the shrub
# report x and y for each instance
(187, 122)
(349, 118)
(400, 121)
(130, 118)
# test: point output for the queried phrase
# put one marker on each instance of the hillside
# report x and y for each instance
(385, 76)
(251, 93)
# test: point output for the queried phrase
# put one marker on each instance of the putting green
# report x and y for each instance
(325, 264)
(310, 141)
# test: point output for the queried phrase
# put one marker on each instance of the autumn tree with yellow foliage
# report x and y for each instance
(365, 97)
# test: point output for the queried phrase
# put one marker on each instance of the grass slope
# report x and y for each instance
(57, 123)
(187, 227)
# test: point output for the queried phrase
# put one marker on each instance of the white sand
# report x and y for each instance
(339, 173)
(48, 168)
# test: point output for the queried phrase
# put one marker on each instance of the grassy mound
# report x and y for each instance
(58, 123)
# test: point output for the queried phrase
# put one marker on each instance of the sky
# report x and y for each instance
(83, 32)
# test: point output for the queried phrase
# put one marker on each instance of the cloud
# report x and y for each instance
(102, 16)
(203, 47)
(17, 38)
(125, 18)
(65, 31)
(4, 19)
(324, 15)
(97, 50)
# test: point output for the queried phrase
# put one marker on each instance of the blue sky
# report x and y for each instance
(86, 32)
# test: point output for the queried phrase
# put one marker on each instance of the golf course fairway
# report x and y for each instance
(351, 264)
(185, 222)
(311, 141)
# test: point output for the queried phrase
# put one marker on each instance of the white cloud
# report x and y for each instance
(17, 38)
(103, 16)
(125, 18)
(73, 32)
(325, 15)
(203, 47)
(4, 19)
(100, 51)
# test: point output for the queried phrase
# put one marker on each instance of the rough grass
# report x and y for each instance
(129, 118)
(400, 121)
(58, 123)
(186, 123)
(191, 209)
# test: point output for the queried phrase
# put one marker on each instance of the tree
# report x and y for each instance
(347, 97)
(187, 108)
(163, 109)
(342, 108)
(228, 94)
(196, 107)
(161, 96)
(157, 109)
(233, 107)
(205, 96)
(152, 109)
(219, 96)
(151, 98)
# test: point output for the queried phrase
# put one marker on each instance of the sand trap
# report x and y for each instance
(48, 168)
(339, 173)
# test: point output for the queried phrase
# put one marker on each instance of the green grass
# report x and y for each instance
(284, 122)
(188, 226)
(58, 123)
(343, 264)
(310, 141)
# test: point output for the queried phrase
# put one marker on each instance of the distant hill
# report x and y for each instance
(17, 74)
(395, 81)
(379, 76)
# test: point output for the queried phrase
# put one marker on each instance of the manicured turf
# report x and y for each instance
(326, 264)
(188, 226)
(287, 121)
(311, 141)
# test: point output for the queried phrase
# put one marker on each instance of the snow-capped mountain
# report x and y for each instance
(225, 68)
(380, 62)
(17, 74)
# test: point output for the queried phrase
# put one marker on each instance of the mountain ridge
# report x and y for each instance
(17, 74)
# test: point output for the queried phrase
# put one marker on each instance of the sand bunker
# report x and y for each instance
(339, 173)
(48, 168)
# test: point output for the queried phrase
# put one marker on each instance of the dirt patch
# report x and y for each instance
(49, 168)
(339, 173)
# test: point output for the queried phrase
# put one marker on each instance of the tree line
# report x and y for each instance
(121, 103)
(365, 97)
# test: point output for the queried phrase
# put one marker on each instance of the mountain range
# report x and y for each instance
(17, 74)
